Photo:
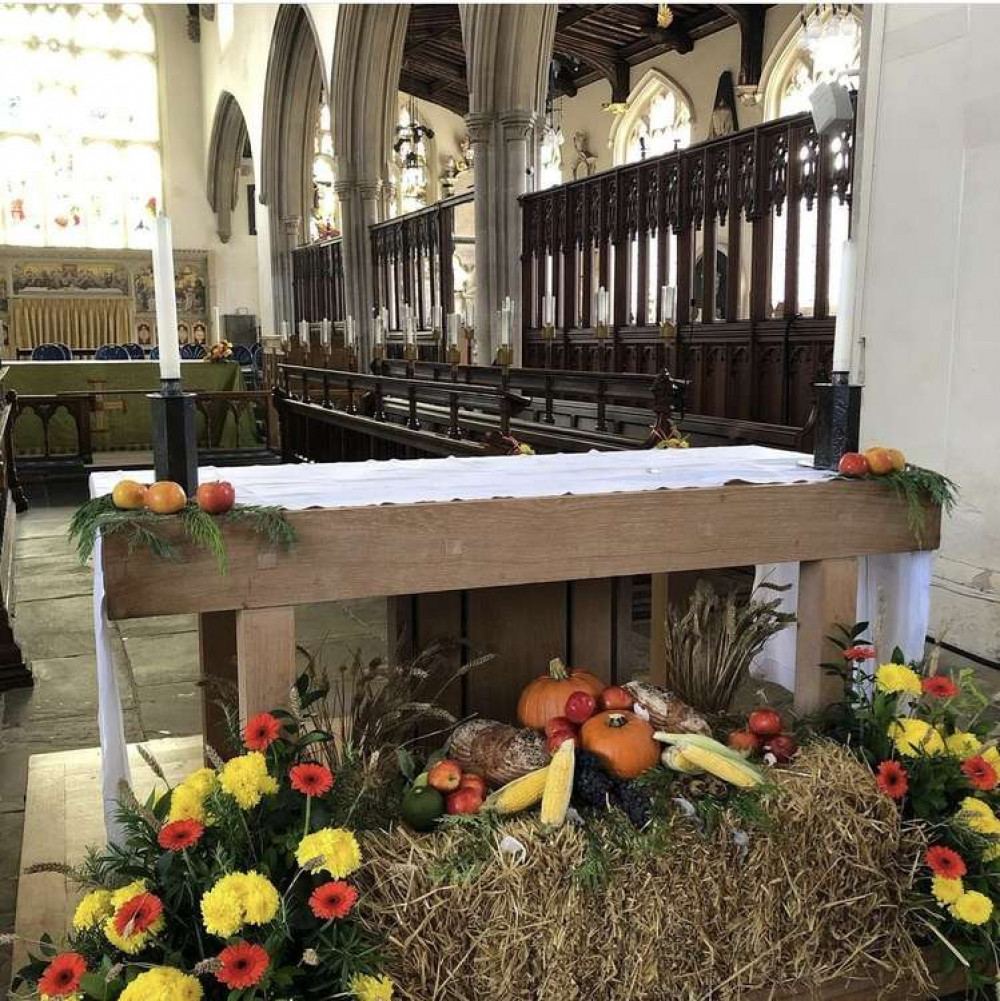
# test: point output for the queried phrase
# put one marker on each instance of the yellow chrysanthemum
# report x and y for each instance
(368, 988)
(947, 891)
(245, 779)
(260, 899)
(238, 899)
(336, 848)
(992, 757)
(95, 907)
(134, 943)
(914, 737)
(979, 816)
(187, 801)
(897, 679)
(125, 893)
(163, 983)
(962, 744)
(63, 997)
(973, 908)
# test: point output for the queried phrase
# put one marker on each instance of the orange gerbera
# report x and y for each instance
(62, 976)
(944, 862)
(333, 900)
(860, 653)
(138, 915)
(980, 773)
(180, 834)
(892, 779)
(261, 732)
(243, 965)
(311, 779)
(939, 687)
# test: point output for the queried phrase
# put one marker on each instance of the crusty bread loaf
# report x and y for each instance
(666, 710)
(498, 752)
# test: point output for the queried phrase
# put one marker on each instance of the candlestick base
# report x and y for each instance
(175, 443)
(454, 355)
(668, 331)
(838, 422)
(549, 332)
(505, 355)
(410, 352)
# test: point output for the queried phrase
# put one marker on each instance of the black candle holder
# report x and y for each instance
(838, 420)
(175, 442)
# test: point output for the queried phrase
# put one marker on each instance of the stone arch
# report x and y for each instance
(225, 151)
(653, 82)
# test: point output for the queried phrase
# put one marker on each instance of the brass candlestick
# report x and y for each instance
(379, 351)
(505, 355)
(549, 331)
(454, 355)
(469, 334)
(410, 351)
(602, 331)
(668, 331)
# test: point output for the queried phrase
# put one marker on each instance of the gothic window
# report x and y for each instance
(657, 120)
(550, 158)
(79, 125)
(412, 156)
(325, 219)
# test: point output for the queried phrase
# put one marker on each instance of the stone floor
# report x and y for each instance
(156, 659)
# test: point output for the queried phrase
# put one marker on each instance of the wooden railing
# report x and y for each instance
(728, 223)
(318, 282)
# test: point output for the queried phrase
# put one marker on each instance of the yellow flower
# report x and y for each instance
(992, 854)
(238, 899)
(187, 801)
(962, 744)
(246, 779)
(134, 943)
(913, 737)
(947, 891)
(368, 988)
(992, 757)
(62, 997)
(335, 848)
(92, 910)
(125, 893)
(163, 983)
(973, 908)
(895, 678)
(979, 816)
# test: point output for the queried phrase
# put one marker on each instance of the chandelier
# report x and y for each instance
(664, 15)
(409, 137)
(832, 36)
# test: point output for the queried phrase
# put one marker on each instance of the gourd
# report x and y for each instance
(559, 785)
(545, 697)
(520, 794)
(622, 741)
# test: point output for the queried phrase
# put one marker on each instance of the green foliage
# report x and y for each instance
(916, 486)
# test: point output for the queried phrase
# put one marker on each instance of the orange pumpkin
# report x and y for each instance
(545, 697)
(623, 742)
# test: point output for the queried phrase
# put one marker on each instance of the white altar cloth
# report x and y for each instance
(354, 484)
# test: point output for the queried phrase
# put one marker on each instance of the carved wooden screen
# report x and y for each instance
(748, 228)
(318, 282)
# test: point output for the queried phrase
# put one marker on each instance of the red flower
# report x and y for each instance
(243, 965)
(138, 915)
(980, 773)
(261, 732)
(311, 779)
(944, 862)
(333, 900)
(891, 778)
(939, 687)
(62, 976)
(180, 834)
(860, 653)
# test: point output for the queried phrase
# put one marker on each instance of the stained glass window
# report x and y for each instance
(550, 156)
(325, 219)
(664, 124)
(79, 125)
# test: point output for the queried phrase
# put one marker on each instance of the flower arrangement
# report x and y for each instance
(234, 885)
(926, 736)
(223, 351)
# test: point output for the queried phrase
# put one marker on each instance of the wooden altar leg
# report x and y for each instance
(217, 651)
(828, 595)
(265, 649)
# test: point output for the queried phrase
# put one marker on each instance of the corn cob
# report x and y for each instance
(519, 794)
(559, 784)
(741, 774)
(675, 759)
(699, 740)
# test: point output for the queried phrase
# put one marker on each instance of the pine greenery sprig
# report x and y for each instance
(916, 486)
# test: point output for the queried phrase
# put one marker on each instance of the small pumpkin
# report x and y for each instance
(546, 696)
(622, 741)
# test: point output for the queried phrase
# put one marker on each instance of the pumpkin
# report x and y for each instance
(546, 696)
(622, 741)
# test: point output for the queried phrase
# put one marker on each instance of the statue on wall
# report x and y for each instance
(723, 121)
(585, 160)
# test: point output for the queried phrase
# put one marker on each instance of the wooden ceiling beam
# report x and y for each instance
(441, 94)
(750, 18)
(570, 17)
(421, 62)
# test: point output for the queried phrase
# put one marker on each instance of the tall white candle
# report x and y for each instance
(284, 330)
(436, 324)
(383, 315)
(549, 311)
(349, 331)
(844, 329)
(470, 314)
(668, 304)
(453, 323)
(166, 300)
(411, 332)
(505, 323)
(379, 327)
(325, 332)
(216, 325)
(303, 332)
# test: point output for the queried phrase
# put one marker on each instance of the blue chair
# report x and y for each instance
(242, 355)
(66, 353)
(135, 351)
(154, 353)
(47, 352)
(257, 352)
(111, 352)
(192, 352)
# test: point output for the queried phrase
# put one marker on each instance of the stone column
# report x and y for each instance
(359, 209)
(287, 240)
(481, 127)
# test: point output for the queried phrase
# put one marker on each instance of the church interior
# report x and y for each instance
(499, 500)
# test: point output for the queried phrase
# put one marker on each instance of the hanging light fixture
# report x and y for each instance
(831, 35)
(664, 15)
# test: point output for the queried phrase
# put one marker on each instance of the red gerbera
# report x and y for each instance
(138, 915)
(891, 778)
(944, 862)
(180, 834)
(311, 779)
(939, 687)
(243, 965)
(860, 653)
(980, 773)
(62, 976)
(261, 732)
(333, 900)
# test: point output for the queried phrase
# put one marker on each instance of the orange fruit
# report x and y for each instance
(165, 497)
(128, 495)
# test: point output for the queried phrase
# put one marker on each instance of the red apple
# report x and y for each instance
(463, 801)
(445, 776)
(765, 722)
(475, 782)
(784, 747)
(744, 741)
(559, 724)
(853, 464)
(580, 706)
(216, 497)
(616, 698)
(559, 738)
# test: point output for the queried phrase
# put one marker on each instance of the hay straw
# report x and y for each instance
(818, 898)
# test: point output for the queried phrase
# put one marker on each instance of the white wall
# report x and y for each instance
(927, 296)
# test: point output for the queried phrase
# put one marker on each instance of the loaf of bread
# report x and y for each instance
(666, 710)
(498, 752)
